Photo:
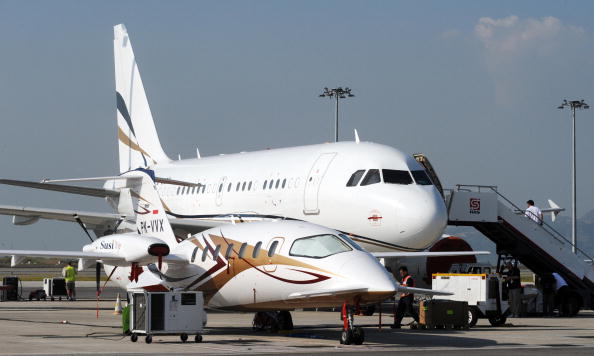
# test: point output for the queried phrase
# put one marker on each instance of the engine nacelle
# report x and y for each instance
(130, 247)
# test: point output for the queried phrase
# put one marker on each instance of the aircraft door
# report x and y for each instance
(313, 182)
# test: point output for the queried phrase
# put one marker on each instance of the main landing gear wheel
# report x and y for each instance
(358, 335)
(350, 334)
(285, 321)
(198, 338)
(184, 337)
(148, 339)
(134, 337)
(346, 337)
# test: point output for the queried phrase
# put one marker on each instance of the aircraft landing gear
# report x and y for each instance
(351, 334)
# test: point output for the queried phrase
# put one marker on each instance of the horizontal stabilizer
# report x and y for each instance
(429, 254)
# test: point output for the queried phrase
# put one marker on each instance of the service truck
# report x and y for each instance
(477, 285)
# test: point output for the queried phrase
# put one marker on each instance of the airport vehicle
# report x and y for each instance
(477, 285)
(279, 265)
(378, 195)
(166, 313)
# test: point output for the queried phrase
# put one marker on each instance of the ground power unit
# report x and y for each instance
(482, 292)
(55, 288)
(166, 313)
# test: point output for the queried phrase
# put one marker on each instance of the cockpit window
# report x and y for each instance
(351, 242)
(421, 177)
(393, 176)
(319, 246)
(372, 177)
(355, 178)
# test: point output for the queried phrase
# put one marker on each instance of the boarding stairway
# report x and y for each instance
(539, 247)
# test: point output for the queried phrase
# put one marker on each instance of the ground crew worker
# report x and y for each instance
(405, 304)
(514, 287)
(69, 273)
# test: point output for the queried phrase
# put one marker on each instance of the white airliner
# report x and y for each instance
(378, 195)
(278, 265)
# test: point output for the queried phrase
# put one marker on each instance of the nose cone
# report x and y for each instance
(364, 271)
(423, 218)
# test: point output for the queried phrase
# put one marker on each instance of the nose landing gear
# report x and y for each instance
(351, 334)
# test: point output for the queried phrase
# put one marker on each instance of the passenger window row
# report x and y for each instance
(229, 251)
(390, 176)
(237, 187)
(270, 184)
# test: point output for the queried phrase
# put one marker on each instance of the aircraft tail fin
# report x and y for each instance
(554, 209)
(139, 145)
(151, 218)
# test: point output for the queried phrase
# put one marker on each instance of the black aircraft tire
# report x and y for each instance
(473, 316)
(358, 335)
(346, 338)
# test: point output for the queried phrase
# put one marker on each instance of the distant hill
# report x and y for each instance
(585, 234)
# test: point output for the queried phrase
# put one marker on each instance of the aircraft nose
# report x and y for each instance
(424, 219)
(366, 271)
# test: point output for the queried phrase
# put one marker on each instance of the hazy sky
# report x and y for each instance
(472, 84)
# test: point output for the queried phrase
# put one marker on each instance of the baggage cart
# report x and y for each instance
(443, 314)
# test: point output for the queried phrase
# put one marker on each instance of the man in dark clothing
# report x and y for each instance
(547, 285)
(405, 304)
(514, 286)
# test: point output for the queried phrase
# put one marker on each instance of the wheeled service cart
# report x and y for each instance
(166, 313)
(55, 288)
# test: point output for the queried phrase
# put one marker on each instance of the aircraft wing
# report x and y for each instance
(62, 254)
(403, 289)
(338, 291)
(429, 254)
(94, 192)
(326, 292)
(195, 226)
(27, 215)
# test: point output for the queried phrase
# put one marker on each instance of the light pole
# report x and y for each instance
(336, 93)
(573, 104)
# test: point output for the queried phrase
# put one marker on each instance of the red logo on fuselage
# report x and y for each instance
(474, 206)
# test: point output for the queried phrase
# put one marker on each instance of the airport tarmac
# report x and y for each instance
(37, 328)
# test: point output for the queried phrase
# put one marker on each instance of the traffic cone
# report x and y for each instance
(118, 306)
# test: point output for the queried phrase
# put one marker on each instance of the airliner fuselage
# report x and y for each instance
(378, 194)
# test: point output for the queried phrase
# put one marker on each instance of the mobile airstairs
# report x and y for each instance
(539, 247)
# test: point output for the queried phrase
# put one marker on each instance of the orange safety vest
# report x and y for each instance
(404, 284)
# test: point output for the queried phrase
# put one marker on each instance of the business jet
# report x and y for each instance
(280, 265)
(378, 195)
